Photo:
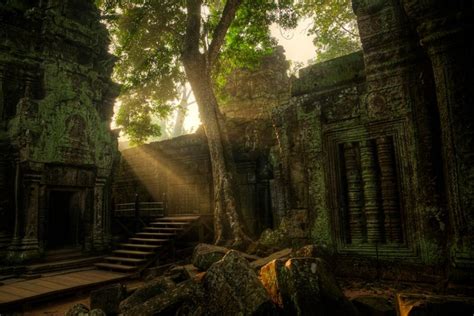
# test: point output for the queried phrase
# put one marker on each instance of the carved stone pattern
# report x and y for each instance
(369, 178)
(389, 190)
(354, 195)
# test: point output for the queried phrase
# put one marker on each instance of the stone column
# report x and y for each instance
(29, 244)
(25, 245)
(5, 206)
(446, 32)
(370, 185)
(389, 190)
(2, 98)
(354, 196)
(98, 223)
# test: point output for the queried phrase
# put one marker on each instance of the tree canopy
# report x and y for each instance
(148, 39)
(333, 27)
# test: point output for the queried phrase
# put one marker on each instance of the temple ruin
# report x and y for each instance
(56, 100)
(368, 156)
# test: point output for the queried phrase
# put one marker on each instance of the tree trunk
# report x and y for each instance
(228, 225)
(227, 221)
(182, 109)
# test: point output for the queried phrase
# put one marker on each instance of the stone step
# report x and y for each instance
(116, 267)
(133, 253)
(169, 224)
(126, 260)
(178, 218)
(140, 246)
(165, 229)
(149, 240)
(158, 232)
(154, 234)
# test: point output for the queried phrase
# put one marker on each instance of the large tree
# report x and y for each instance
(333, 26)
(160, 42)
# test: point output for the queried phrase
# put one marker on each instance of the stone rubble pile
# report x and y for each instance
(222, 281)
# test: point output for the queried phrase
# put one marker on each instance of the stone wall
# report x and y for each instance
(253, 93)
(366, 146)
(178, 172)
(56, 102)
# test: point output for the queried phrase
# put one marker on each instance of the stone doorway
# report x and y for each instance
(63, 219)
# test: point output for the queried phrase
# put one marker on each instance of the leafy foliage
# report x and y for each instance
(148, 37)
(334, 27)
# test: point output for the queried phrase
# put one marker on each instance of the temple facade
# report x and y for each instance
(57, 151)
(368, 155)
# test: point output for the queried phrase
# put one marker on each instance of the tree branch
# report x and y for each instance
(218, 36)
(193, 27)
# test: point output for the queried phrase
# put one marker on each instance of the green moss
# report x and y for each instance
(329, 74)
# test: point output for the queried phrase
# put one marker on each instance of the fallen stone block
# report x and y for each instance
(232, 288)
(409, 304)
(146, 292)
(305, 286)
(186, 295)
(205, 255)
(108, 298)
(282, 254)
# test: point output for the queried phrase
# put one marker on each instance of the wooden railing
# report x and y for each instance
(139, 209)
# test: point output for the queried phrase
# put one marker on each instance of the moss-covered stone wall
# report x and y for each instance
(362, 147)
(55, 109)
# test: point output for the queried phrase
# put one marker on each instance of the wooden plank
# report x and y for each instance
(83, 278)
(38, 289)
(62, 280)
(57, 286)
(8, 297)
(75, 281)
(44, 284)
(107, 274)
(6, 293)
(18, 291)
(88, 278)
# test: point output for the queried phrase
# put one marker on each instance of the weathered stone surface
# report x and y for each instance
(315, 251)
(291, 232)
(373, 306)
(177, 274)
(97, 312)
(233, 288)
(305, 286)
(78, 310)
(408, 304)
(205, 255)
(186, 295)
(146, 292)
(108, 298)
(285, 253)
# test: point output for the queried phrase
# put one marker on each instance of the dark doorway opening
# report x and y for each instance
(63, 220)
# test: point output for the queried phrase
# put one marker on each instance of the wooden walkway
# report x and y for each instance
(37, 289)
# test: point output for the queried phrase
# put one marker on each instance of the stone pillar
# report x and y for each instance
(30, 245)
(2, 97)
(446, 32)
(370, 184)
(98, 223)
(354, 196)
(5, 206)
(25, 245)
(389, 190)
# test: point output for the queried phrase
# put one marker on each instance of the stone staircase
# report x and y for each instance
(132, 256)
